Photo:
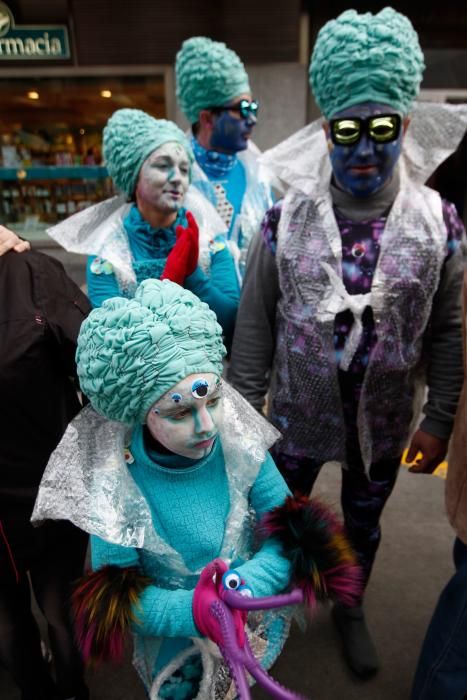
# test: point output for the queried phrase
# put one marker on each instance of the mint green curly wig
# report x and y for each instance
(132, 351)
(130, 136)
(207, 74)
(366, 58)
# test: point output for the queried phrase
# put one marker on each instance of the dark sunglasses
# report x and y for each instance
(245, 107)
(381, 128)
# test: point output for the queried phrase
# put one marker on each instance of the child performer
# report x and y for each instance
(169, 469)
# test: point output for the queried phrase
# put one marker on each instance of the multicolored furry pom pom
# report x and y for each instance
(324, 565)
(103, 607)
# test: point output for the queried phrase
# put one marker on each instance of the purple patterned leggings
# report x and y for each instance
(362, 499)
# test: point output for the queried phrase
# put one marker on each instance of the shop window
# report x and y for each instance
(51, 162)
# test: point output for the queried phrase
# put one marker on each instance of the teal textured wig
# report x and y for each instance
(207, 74)
(366, 58)
(130, 136)
(132, 351)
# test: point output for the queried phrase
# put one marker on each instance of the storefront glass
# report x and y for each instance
(51, 161)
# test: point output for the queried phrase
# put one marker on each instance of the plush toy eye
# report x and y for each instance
(199, 388)
(245, 591)
(231, 580)
(176, 397)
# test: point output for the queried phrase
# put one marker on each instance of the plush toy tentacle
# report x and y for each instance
(103, 605)
(323, 563)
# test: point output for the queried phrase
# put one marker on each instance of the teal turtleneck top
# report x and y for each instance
(190, 504)
(149, 250)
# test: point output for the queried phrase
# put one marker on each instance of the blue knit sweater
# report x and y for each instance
(190, 503)
(149, 250)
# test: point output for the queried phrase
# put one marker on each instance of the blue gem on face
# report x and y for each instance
(176, 397)
(199, 388)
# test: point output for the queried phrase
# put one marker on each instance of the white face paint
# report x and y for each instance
(186, 419)
(164, 178)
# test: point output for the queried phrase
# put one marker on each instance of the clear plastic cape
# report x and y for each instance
(87, 481)
(302, 161)
(98, 230)
(256, 201)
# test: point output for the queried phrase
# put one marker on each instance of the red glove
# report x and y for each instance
(210, 589)
(183, 258)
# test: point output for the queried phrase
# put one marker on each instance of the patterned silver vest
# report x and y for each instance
(305, 398)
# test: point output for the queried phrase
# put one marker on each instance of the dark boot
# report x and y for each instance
(359, 649)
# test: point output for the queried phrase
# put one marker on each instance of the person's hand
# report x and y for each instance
(183, 258)
(10, 241)
(210, 592)
(433, 450)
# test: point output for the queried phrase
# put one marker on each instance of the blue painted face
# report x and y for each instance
(231, 131)
(365, 167)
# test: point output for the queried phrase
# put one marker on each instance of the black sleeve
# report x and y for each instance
(64, 306)
(445, 370)
(254, 338)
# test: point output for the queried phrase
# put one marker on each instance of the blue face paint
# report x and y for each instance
(365, 167)
(230, 134)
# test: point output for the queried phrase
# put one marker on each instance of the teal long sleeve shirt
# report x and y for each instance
(149, 249)
(190, 507)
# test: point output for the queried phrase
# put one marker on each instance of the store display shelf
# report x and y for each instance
(54, 172)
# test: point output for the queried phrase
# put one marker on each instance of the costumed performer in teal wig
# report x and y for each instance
(169, 471)
(159, 227)
(213, 91)
(351, 296)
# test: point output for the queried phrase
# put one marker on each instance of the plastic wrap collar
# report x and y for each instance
(365, 57)
(130, 137)
(131, 351)
(208, 74)
(302, 160)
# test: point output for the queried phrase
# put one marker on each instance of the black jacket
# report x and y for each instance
(41, 311)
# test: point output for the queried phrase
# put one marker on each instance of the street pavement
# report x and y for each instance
(413, 564)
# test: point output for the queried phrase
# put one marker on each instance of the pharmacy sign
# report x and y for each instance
(35, 42)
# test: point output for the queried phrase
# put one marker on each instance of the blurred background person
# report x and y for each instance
(442, 667)
(214, 93)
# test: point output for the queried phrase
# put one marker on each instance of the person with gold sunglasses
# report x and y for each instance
(350, 302)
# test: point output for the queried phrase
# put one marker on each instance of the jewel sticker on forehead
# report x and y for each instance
(199, 388)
